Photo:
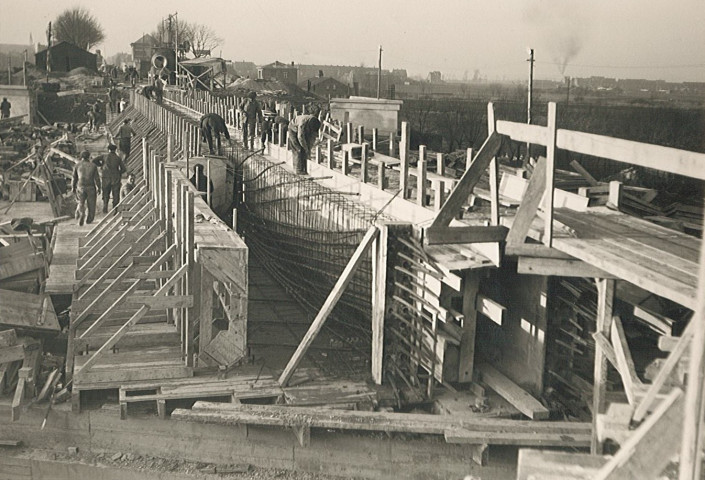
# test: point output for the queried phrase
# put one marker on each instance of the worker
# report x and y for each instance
(129, 185)
(91, 123)
(148, 92)
(122, 105)
(134, 75)
(97, 111)
(303, 131)
(201, 181)
(125, 137)
(253, 115)
(114, 96)
(86, 186)
(5, 107)
(268, 116)
(213, 124)
(113, 168)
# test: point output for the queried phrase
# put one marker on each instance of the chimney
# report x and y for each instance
(292, 64)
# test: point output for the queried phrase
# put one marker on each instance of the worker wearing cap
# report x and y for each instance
(303, 131)
(253, 115)
(86, 186)
(113, 168)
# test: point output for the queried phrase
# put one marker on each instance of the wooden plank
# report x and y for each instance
(605, 305)
(535, 251)
(329, 304)
(17, 400)
(162, 302)
(379, 301)
(536, 439)
(549, 192)
(514, 394)
(11, 354)
(666, 159)
(490, 309)
(559, 267)
(666, 369)
(552, 465)
(466, 234)
(529, 206)
(466, 359)
(651, 446)
(467, 182)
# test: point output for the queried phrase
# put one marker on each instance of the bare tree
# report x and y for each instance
(203, 40)
(78, 26)
(169, 30)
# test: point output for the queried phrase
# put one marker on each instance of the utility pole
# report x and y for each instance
(48, 51)
(176, 48)
(529, 102)
(24, 69)
(9, 70)
(379, 72)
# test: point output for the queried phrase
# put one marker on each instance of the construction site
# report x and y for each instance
(389, 312)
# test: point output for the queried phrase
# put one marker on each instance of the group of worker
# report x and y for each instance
(103, 174)
(302, 131)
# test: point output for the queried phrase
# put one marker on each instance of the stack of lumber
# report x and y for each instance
(28, 312)
(20, 363)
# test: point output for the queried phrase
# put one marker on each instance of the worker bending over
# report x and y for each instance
(213, 124)
(303, 131)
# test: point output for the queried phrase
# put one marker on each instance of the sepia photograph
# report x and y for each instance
(396, 239)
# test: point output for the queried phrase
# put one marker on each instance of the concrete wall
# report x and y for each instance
(22, 100)
(369, 112)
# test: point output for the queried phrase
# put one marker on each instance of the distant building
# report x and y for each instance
(143, 49)
(381, 114)
(435, 77)
(279, 71)
(65, 57)
(326, 87)
(242, 69)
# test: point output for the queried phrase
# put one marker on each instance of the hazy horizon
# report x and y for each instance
(622, 39)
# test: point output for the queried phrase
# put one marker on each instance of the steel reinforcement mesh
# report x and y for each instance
(304, 234)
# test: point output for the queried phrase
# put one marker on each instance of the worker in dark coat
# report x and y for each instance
(113, 168)
(253, 115)
(212, 125)
(303, 131)
(5, 107)
(86, 186)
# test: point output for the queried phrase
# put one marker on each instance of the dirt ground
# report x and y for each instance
(155, 464)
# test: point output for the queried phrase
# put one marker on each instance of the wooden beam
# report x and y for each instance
(162, 302)
(11, 354)
(559, 267)
(467, 182)
(652, 445)
(494, 171)
(626, 369)
(329, 304)
(466, 360)
(523, 133)
(529, 206)
(606, 347)
(666, 159)
(535, 251)
(490, 309)
(550, 174)
(510, 391)
(666, 369)
(584, 173)
(468, 234)
(605, 305)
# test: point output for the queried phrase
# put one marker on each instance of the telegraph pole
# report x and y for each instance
(48, 51)
(529, 102)
(176, 49)
(379, 72)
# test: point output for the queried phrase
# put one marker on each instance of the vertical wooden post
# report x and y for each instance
(379, 297)
(346, 164)
(169, 148)
(361, 134)
(380, 175)
(169, 208)
(615, 194)
(468, 158)
(145, 161)
(421, 177)
(348, 132)
(466, 362)
(404, 157)
(234, 227)
(374, 139)
(280, 137)
(331, 158)
(605, 302)
(494, 171)
(190, 261)
(550, 172)
(208, 184)
(363, 163)
(438, 195)
(691, 444)
(317, 154)
(440, 166)
(392, 141)
(205, 314)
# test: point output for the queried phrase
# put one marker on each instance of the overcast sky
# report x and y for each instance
(657, 39)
